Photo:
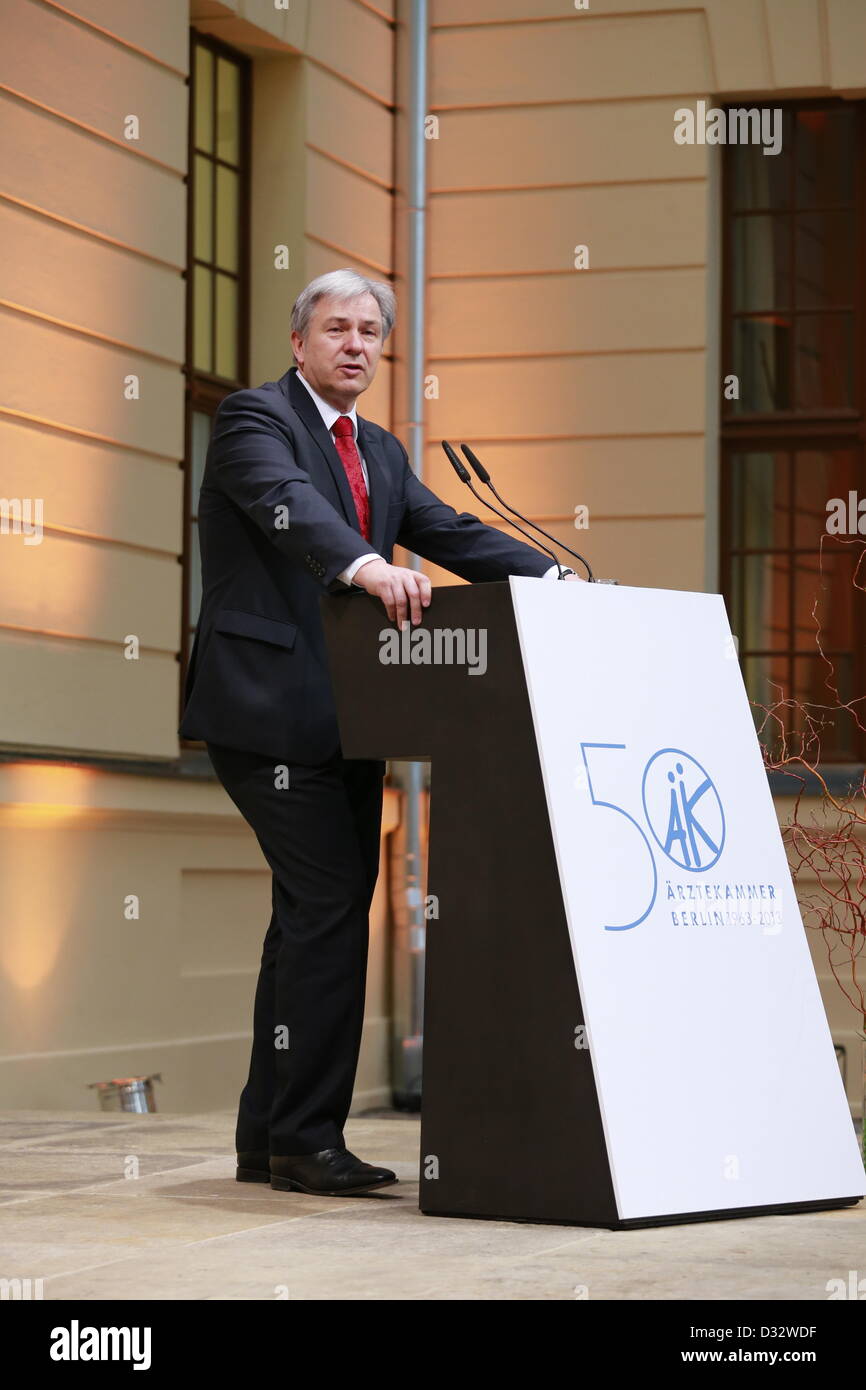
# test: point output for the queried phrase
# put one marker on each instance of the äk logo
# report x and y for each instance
(683, 810)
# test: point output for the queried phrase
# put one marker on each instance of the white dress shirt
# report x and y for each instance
(330, 415)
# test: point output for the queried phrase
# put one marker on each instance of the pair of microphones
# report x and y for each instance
(484, 477)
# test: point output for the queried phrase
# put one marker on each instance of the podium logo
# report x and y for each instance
(684, 815)
(683, 810)
(435, 646)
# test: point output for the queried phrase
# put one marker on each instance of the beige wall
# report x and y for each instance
(93, 986)
(94, 230)
(94, 235)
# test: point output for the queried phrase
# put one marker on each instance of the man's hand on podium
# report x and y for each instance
(402, 591)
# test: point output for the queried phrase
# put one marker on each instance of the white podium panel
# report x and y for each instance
(715, 1071)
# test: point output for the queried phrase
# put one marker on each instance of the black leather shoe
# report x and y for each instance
(329, 1173)
(254, 1167)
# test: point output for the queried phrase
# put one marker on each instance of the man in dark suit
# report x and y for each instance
(301, 496)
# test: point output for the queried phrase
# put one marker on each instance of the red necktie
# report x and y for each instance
(344, 438)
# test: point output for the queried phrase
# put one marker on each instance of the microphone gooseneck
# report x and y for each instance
(485, 478)
(465, 477)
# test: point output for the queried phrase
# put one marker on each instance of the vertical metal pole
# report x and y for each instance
(411, 945)
(417, 232)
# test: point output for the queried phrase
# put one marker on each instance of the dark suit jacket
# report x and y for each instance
(258, 677)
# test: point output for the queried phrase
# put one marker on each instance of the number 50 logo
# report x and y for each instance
(683, 811)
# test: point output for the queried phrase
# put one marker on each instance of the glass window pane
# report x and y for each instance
(227, 219)
(202, 351)
(228, 111)
(763, 180)
(203, 209)
(824, 361)
(760, 591)
(760, 501)
(824, 250)
(203, 83)
(767, 681)
(761, 356)
(201, 432)
(195, 586)
(825, 160)
(226, 327)
(825, 601)
(820, 477)
(807, 587)
(762, 263)
(831, 733)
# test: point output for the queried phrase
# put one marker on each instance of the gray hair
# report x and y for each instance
(343, 284)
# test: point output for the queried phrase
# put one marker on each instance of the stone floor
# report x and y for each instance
(180, 1227)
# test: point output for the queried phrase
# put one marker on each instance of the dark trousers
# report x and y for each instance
(320, 837)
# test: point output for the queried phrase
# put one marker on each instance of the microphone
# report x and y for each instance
(485, 478)
(464, 476)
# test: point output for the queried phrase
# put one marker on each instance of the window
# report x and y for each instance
(217, 271)
(794, 314)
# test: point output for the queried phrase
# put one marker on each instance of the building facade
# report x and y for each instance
(174, 174)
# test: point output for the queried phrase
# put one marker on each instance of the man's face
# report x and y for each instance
(342, 347)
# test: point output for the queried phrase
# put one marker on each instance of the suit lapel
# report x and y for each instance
(377, 471)
(302, 402)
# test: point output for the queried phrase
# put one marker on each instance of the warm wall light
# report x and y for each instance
(39, 904)
(40, 872)
(47, 794)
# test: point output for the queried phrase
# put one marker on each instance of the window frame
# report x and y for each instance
(795, 430)
(825, 419)
(204, 390)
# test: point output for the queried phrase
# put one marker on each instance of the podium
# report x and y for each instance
(622, 1024)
